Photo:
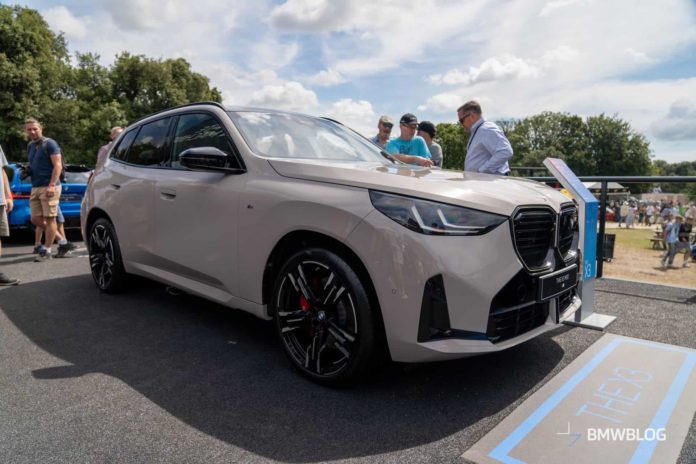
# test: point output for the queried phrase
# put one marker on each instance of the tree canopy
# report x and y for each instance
(79, 103)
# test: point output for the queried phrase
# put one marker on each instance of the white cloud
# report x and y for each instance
(506, 67)
(310, 15)
(358, 115)
(61, 19)
(443, 103)
(679, 124)
(638, 56)
(551, 7)
(326, 77)
(288, 96)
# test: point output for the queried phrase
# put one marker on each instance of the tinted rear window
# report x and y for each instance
(124, 144)
(148, 147)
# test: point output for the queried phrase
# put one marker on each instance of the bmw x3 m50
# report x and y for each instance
(354, 255)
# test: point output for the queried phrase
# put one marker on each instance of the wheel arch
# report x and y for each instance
(92, 217)
(296, 240)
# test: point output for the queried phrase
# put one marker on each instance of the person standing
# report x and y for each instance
(6, 205)
(623, 213)
(104, 149)
(488, 150)
(684, 236)
(46, 165)
(427, 130)
(671, 234)
(384, 128)
(409, 148)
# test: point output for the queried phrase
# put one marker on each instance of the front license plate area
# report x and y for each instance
(558, 282)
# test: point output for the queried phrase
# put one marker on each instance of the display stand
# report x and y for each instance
(587, 217)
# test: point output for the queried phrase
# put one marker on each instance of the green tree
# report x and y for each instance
(34, 65)
(144, 85)
(453, 141)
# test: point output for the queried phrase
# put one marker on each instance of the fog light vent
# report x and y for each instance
(434, 317)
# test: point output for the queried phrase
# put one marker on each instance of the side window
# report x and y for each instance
(199, 130)
(148, 146)
(120, 151)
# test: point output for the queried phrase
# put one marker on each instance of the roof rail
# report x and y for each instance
(219, 105)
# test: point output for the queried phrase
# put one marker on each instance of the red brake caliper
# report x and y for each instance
(304, 304)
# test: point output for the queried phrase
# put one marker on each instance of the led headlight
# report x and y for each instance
(432, 218)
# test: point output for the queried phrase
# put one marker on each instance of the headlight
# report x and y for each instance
(432, 218)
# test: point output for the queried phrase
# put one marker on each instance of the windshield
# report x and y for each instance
(284, 135)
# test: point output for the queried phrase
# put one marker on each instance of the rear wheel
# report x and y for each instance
(324, 317)
(105, 257)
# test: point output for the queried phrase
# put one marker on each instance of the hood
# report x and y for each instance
(487, 192)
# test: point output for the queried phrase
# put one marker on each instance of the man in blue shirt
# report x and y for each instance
(409, 148)
(488, 149)
(46, 165)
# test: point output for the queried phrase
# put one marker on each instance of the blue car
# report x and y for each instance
(76, 177)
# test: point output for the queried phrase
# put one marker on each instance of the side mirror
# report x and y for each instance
(207, 159)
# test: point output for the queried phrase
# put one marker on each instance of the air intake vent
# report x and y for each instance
(534, 232)
(567, 227)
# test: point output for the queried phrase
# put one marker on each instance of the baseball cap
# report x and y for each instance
(408, 118)
(427, 127)
(386, 119)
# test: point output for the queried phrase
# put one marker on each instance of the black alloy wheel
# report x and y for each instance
(324, 317)
(105, 257)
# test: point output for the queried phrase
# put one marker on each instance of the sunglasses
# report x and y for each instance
(463, 118)
(410, 126)
(388, 125)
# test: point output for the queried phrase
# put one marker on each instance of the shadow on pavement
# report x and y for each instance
(224, 373)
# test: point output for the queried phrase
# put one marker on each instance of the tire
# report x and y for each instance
(324, 317)
(105, 259)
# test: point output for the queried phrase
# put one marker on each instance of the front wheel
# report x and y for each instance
(105, 257)
(324, 317)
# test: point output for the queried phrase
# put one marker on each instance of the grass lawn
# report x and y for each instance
(633, 238)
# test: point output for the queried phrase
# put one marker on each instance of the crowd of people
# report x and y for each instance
(674, 221)
(488, 150)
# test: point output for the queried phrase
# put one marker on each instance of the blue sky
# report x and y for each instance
(357, 59)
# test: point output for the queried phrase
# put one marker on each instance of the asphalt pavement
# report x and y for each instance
(150, 377)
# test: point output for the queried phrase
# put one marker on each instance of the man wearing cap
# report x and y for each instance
(426, 129)
(409, 148)
(488, 150)
(384, 128)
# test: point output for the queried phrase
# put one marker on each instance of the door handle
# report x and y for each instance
(168, 193)
(116, 186)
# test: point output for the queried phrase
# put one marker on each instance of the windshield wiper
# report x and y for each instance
(390, 157)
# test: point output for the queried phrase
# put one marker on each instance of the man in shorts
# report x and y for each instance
(6, 206)
(46, 165)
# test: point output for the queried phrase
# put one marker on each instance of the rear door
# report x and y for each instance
(196, 211)
(129, 181)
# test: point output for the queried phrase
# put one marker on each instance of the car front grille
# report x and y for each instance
(567, 227)
(533, 230)
(511, 322)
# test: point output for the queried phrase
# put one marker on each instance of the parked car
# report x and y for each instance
(352, 254)
(73, 190)
(610, 215)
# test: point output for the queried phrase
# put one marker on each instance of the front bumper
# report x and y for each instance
(480, 278)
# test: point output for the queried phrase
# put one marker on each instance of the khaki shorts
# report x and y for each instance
(40, 204)
(4, 223)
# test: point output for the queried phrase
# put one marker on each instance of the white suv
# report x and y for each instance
(352, 254)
